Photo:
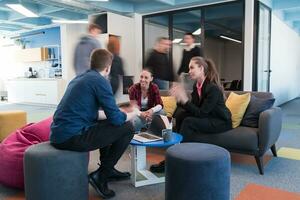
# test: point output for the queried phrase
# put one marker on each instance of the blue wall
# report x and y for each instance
(51, 37)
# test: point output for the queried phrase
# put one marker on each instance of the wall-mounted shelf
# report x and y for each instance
(31, 55)
(47, 53)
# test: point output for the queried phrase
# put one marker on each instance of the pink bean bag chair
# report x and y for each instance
(13, 147)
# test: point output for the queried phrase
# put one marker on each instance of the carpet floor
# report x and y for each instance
(280, 181)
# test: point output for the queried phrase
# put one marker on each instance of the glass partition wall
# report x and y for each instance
(217, 29)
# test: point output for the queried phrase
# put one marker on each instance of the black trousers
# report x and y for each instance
(190, 127)
(111, 140)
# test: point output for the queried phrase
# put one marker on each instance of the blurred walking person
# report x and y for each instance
(117, 68)
(190, 51)
(158, 62)
(85, 47)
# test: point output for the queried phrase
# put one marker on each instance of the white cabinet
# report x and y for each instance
(32, 54)
(44, 91)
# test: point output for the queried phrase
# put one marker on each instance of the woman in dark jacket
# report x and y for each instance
(117, 64)
(206, 111)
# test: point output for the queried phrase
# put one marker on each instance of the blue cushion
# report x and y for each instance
(255, 107)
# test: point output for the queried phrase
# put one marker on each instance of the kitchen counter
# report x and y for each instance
(35, 90)
(34, 79)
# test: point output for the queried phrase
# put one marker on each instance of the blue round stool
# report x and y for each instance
(55, 174)
(197, 171)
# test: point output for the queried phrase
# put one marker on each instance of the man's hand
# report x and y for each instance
(127, 109)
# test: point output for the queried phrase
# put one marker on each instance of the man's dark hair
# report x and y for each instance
(100, 59)
(94, 26)
(161, 38)
(190, 34)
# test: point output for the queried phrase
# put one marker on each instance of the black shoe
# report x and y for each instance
(99, 182)
(158, 168)
(116, 175)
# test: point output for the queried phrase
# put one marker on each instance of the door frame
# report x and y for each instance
(255, 44)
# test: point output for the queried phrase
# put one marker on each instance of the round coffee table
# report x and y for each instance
(140, 175)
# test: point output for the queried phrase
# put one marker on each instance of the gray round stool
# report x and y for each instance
(197, 171)
(52, 174)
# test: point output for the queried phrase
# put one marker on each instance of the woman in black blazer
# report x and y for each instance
(206, 111)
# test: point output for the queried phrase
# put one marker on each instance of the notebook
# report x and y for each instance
(145, 137)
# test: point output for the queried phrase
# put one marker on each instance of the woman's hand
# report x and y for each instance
(146, 115)
(179, 93)
(149, 114)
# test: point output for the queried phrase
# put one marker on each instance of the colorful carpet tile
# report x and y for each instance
(290, 126)
(260, 192)
(290, 153)
(18, 196)
(247, 159)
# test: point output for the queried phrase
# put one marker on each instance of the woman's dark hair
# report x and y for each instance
(148, 70)
(210, 70)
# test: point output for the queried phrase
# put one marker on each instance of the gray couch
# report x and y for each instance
(247, 140)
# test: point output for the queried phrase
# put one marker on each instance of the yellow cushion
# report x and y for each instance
(237, 104)
(169, 105)
(10, 121)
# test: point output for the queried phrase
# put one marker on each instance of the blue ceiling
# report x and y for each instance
(11, 21)
(289, 11)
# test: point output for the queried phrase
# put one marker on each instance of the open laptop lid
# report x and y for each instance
(159, 122)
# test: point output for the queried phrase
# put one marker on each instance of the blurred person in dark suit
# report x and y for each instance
(158, 62)
(190, 51)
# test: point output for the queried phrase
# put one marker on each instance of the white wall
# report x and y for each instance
(248, 44)
(123, 26)
(285, 62)
(138, 50)
(9, 68)
(70, 35)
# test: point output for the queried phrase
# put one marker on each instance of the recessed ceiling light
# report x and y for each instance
(70, 21)
(231, 39)
(177, 40)
(197, 32)
(98, 0)
(22, 10)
